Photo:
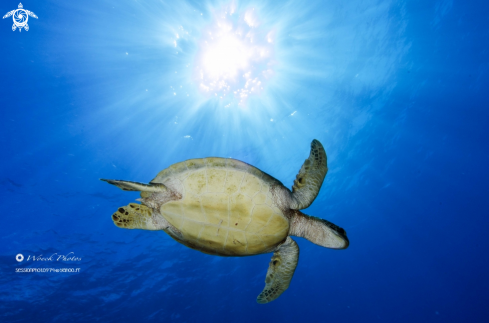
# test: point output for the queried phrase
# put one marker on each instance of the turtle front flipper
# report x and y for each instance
(280, 271)
(135, 186)
(8, 14)
(310, 178)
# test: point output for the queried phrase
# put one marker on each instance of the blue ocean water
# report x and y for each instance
(396, 91)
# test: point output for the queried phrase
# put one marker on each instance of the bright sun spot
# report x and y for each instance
(235, 56)
(225, 57)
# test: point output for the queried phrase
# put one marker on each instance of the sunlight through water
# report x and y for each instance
(241, 75)
(235, 56)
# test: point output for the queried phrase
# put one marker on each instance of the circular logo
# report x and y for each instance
(20, 18)
(19, 257)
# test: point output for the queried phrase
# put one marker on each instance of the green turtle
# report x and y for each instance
(225, 207)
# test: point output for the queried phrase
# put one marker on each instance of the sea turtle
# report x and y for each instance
(225, 207)
(20, 17)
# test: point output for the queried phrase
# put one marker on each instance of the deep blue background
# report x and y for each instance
(395, 90)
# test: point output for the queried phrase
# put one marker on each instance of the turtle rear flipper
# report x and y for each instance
(310, 178)
(280, 271)
(136, 186)
(133, 216)
(138, 216)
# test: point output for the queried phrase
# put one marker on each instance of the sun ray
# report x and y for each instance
(235, 56)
